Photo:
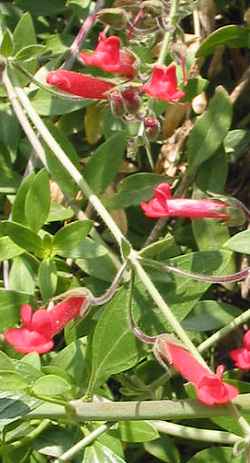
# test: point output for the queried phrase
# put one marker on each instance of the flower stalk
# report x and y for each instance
(167, 36)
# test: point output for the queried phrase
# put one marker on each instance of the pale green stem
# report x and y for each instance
(240, 419)
(216, 337)
(204, 435)
(27, 128)
(132, 411)
(165, 44)
(84, 442)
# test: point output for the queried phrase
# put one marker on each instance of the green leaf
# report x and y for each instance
(210, 315)
(209, 233)
(161, 249)
(231, 36)
(69, 237)
(215, 455)
(33, 359)
(10, 302)
(99, 453)
(114, 348)
(22, 236)
(101, 267)
(7, 45)
(98, 172)
(51, 385)
(21, 276)
(239, 242)
(47, 278)
(10, 132)
(28, 372)
(44, 8)
(194, 87)
(163, 449)
(137, 431)
(58, 213)
(87, 249)
(37, 202)
(47, 104)
(217, 166)
(134, 189)
(24, 33)
(236, 143)
(56, 440)
(57, 171)
(18, 208)
(9, 179)
(209, 130)
(15, 406)
(182, 293)
(29, 52)
(73, 360)
(8, 249)
(11, 381)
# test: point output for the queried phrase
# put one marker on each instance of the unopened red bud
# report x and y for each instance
(117, 104)
(131, 99)
(152, 127)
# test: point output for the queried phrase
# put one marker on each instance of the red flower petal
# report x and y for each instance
(108, 57)
(65, 311)
(78, 84)
(210, 388)
(163, 84)
(213, 391)
(241, 358)
(246, 339)
(25, 341)
(26, 314)
(163, 205)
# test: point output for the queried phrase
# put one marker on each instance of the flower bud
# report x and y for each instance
(131, 99)
(117, 18)
(152, 127)
(117, 104)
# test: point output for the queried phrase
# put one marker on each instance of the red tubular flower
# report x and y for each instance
(109, 57)
(78, 84)
(209, 387)
(38, 328)
(241, 356)
(163, 205)
(163, 84)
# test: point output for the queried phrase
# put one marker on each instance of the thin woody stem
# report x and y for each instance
(188, 432)
(216, 337)
(81, 36)
(166, 40)
(233, 277)
(133, 326)
(87, 440)
(100, 300)
(135, 410)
